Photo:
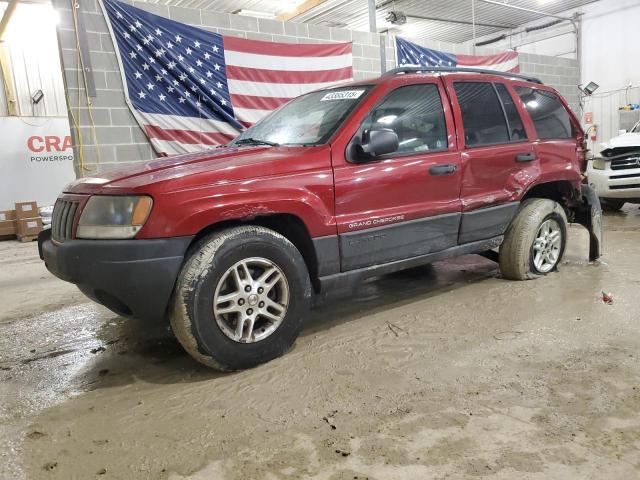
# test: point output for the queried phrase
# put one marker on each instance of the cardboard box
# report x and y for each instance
(29, 226)
(7, 215)
(26, 210)
(8, 227)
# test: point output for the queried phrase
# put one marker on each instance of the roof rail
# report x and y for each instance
(414, 69)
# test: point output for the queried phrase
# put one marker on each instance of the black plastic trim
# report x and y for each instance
(398, 241)
(486, 222)
(328, 254)
(131, 277)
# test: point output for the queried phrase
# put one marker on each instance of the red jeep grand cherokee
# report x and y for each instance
(335, 186)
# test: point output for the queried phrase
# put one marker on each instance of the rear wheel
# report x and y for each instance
(241, 298)
(611, 204)
(535, 241)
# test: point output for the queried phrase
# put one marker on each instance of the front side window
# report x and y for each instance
(550, 117)
(310, 119)
(636, 129)
(482, 115)
(416, 115)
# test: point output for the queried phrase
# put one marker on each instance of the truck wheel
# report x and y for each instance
(534, 242)
(241, 298)
(611, 204)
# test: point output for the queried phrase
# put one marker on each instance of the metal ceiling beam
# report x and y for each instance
(299, 10)
(523, 9)
(460, 22)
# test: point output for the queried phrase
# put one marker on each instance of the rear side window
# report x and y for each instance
(415, 113)
(516, 128)
(551, 119)
(482, 115)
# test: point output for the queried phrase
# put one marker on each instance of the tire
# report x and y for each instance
(517, 255)
(611, 204)
(215, 264)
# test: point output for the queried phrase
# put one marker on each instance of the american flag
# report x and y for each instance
(409, 53)
(190, 89)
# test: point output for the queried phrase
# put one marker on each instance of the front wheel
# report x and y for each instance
(611, 204)
(241, 298)
(535, 241)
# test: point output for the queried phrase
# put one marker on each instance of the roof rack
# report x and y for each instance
(396, 71)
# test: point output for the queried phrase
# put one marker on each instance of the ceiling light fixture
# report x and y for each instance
(254, 13)
(396, 18)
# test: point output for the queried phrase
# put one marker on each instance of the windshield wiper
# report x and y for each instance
(256, 141)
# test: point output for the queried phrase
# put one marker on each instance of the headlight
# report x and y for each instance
(598, 164)
(113, 217)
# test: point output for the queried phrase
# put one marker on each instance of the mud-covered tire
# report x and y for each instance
(516, 251)
(192, 317)
(611, 204)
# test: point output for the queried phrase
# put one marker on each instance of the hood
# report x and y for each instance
(624, 141)
(220, 165)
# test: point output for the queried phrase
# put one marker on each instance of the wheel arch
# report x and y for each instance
(288, 225)
(564, 192)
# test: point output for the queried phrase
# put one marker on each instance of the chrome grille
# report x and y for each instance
(64, 213)
(625, 163)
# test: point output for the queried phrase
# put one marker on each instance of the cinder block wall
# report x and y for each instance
(117, 140)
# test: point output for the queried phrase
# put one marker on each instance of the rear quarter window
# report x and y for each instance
(549, 115)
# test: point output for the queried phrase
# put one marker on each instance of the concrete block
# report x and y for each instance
(113, 80)
(286, 39)
(114, 135)
(371, 51)
(365, 38)
(273, 27)
(340, 34)
(138, 135)
(362, 65)
(296, 29)
(122, 117)
(356, 50)
(267, 37)
(231, 33)
(106, 43)
(134, 153)
(95, 22)
(157, 9)
(319, 32)
(189, 16)
(246, 24)
(104, 61)
(216, 19)
(94, 155)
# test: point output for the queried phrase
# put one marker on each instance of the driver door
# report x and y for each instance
(407, 203)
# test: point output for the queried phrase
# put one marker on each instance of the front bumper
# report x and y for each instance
(618, 184)
(130, 277)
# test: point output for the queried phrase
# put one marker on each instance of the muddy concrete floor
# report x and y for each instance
(445, 371)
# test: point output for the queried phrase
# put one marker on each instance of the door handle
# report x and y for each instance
(443, 169)
(525, 157)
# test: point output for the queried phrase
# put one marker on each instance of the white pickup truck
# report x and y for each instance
(615, 175)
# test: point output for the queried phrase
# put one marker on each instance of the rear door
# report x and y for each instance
(497, 159)
(403, 204)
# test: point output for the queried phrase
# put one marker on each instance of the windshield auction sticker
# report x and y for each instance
(343, 95)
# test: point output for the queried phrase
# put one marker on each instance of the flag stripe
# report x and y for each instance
(277, 76)
(507, 66)
(259, 103)
(296, 64)
(175, 122)
(288, 90)
(486, 60)
(235, 44)
(187, 136)
(250, 116)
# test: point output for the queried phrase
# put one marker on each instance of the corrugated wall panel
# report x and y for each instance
(35, 60)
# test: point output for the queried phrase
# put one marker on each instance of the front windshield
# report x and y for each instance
(310, 119)
(636, 129)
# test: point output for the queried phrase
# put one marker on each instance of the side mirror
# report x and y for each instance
(377, 142)
(622, 132)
